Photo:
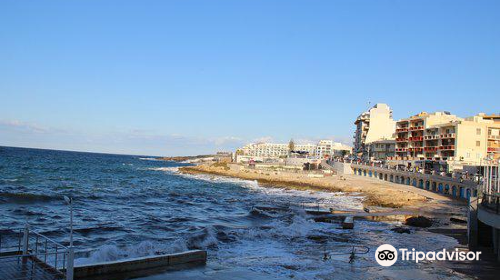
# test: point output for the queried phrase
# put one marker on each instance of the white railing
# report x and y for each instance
(26, 245)
(491, 177)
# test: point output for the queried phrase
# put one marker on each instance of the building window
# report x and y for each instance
(478, 143)
(478, 131)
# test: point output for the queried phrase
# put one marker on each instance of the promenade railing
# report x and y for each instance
(29, 253)
(491, 202)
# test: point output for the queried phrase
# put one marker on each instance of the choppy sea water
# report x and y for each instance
(130, 206)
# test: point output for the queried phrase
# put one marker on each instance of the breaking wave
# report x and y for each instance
(149, 158)
(165, 169)
(108, 253)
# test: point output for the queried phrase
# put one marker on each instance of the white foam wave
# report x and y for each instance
(283, 249)
(310, 198)
(108, 253)
(148, 158)
(165, 169)
(9, 180)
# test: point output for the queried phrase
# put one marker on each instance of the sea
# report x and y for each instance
(131, 206)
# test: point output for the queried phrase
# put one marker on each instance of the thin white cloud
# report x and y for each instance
(226, 140)
(24, 126)
(264, 139)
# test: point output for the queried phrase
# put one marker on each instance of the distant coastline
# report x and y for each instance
(185, 158)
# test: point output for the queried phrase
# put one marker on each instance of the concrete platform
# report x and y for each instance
(13, 267)
(139, 267)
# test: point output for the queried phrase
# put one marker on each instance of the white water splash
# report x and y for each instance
(108, 253)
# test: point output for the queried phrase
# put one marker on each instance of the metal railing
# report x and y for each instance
(28, 253)
(48, 250)
(491, 202)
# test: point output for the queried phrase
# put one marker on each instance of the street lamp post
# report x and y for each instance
(69, 201)
(71, 251)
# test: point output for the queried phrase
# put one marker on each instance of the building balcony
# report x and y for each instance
(401, 139)
(448, 136)
(413, 128)
(431, 137)
(447, 148)
(431, 149)
(399, 150)
(416, 138)
(493, 150)
(416, 149)
(493, 137)
(402, 129)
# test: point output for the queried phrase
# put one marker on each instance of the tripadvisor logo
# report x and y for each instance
(387, 255)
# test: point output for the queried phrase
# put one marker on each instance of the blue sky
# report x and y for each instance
(190, 77)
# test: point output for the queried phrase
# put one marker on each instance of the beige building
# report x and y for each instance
(410, 132)
(445, 137)
(373, 125)
(382, 149)
(493, 146)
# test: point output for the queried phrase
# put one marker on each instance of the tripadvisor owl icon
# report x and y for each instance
(386, 255)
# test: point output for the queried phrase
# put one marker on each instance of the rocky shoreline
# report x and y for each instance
(185, 158)
(376, 194)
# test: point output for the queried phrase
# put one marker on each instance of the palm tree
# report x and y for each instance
(291, 147)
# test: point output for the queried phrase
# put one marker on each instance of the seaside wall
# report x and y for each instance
(138, 267)
(452, 187)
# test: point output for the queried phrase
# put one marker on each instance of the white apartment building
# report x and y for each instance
(373, 125)
(325, 148)
(328, 149)
(275, 150)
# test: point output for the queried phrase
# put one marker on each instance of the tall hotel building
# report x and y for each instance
(376, 124)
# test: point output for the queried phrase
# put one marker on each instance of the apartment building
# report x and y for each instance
(275, 150)
(410, 132)
(328, 149)
(373, 125)
(324, 148)
(493, 144)
(445, 137)
(382, 149)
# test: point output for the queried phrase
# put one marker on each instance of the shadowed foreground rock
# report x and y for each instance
(419, 221)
